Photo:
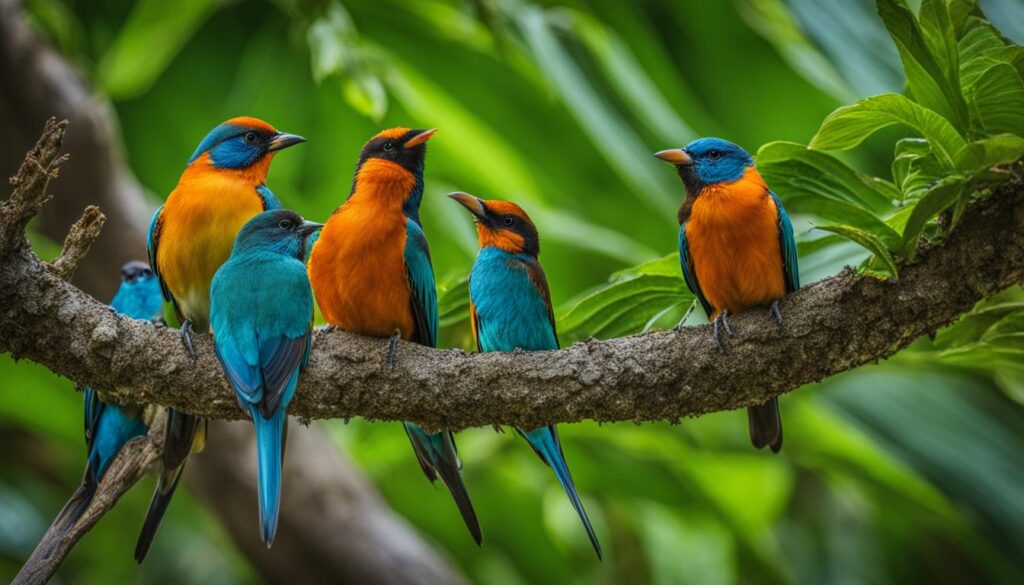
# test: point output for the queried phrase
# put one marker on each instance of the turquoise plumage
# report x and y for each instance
(261, 312)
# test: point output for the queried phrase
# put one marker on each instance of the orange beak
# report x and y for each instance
(675, 156)
(423, 136)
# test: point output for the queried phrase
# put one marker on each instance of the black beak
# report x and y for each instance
(283, 140)
(475, 205)
(308, 227)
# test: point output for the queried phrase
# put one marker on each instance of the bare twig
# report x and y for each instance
(81, 237)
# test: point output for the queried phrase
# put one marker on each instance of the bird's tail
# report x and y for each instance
(270, 455)
(766, 425)
(183, 434)
(67, 518)
(547, 446)
(438, 456)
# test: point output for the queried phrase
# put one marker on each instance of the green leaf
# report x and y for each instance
(915, 167)
(848, 126)
(335, 51)
(844, 182)
(996, 150)
(928, 55)
(997, 100)
(869, 241)
(940, 197)
(977, 48)
(153, 34)
(959, 12)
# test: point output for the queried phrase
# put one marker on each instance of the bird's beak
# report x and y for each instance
(675, 156)
(419, 138)
(475, 205)
(308, 227)
(283, 140)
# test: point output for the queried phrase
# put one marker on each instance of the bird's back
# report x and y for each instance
(357, 270)
(511, 311)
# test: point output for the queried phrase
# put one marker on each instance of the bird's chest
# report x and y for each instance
(511, 314)
(196, 235)
(357, 270)
(734, 245)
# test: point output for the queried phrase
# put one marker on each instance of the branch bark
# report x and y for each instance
(832, 325)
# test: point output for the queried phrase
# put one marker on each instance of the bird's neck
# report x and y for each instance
(750, 189)
(254, 175)
(388, 187)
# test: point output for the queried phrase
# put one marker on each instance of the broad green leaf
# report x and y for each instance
(977, 48)
(153, 34)
(959, 12)
(845, 182)
(915, 167)
(453, 301)
(940, 197)
(848, 126)
(926, 57)
(869, 241)
(996, 150)
(997, 100)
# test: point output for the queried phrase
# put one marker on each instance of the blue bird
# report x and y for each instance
(510, 305)
(108, 426)
(261, 313)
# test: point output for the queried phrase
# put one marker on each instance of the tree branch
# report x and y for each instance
(832, 325)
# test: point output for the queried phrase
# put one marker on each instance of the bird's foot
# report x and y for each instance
(393, 349)
(186, 339)
(721, 325)
(774, 310)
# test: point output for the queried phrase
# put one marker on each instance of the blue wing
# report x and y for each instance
(152, 241)
(690, 273)
(270, 201)
(787, 243)
(420, 273)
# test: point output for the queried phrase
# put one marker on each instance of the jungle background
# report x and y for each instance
(904, 471)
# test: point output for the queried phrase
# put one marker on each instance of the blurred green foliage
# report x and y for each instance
(907, 471)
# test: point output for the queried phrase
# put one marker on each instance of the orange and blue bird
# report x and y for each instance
(261, 312)
(190, 236)
(371, 274)
(736, 248)
(510, 309)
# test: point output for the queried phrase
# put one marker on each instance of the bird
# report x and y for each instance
(261, 313)
(371, 274)
(110, 426)
(190, 236)
(736, 248)
(510, 309)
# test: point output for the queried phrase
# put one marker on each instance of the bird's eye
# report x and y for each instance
(509, 220)
(389, 146)
(251, 137)
(147, 272)
(714, 154)
(286, 224)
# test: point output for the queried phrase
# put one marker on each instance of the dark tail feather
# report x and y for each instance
(546, 444)
(438, 456)
(39, 563)
(766, 425)
(165, 487)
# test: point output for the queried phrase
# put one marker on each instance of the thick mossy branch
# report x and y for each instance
(830, 326)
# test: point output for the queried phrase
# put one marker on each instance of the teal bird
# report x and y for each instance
(510, 305)
(261, 313)
(109, 426)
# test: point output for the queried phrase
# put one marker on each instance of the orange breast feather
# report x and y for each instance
(733, 237)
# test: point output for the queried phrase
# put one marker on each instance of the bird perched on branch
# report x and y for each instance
(261, 312)
(190, 236)
(109, 426)
(736, 247)
(510, 309)
(371, 274)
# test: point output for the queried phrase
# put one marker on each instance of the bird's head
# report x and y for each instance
(501, 224)
(708, 161)
(281, 231)
(136, 271)
(392, 163)
(243, 144)
(139, 295)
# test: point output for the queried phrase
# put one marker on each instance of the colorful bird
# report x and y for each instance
(109, 426)
(510, 306)
(190, 236)
(261, 312)
(736, 247)
(371, 274)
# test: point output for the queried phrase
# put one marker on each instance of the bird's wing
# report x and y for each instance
(787, 244)
(93, 411)
(152, 241)
(420, 274)
(270, 201)
(690, 273)
(540, 283)
(280, 357)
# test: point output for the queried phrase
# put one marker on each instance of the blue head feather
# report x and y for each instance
(279, 231)
(139, 295)
(713, 161)
(234, 146)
